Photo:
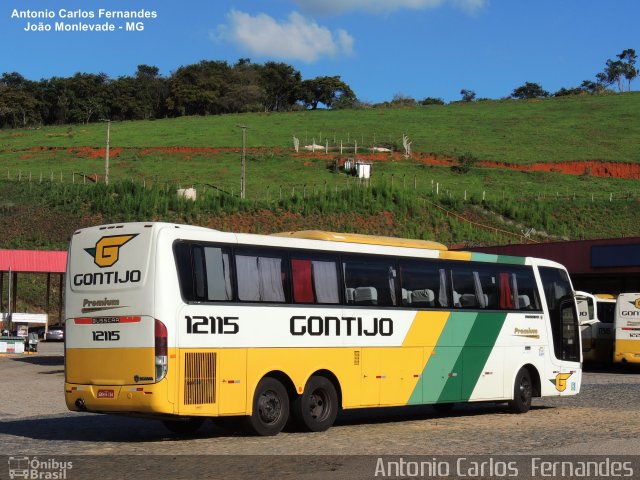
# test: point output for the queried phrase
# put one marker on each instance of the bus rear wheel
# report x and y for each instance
(316, 409)
(522, 392)
(270, 408)
(188, 426)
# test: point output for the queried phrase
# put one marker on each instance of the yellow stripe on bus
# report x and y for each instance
(455, 256)
(426, 329)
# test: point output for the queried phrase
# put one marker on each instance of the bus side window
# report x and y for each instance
(420, 284)
(518, 289)
(218, 274)
(262, 276)
(182, 252)
(467, 289)
(315, 279)
(372, 279)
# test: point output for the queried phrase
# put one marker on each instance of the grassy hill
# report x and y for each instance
(46, 193)
(516, 131)
(47, 189)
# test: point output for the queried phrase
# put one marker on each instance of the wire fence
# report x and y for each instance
(427, 187)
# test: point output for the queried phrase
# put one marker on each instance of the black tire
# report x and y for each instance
(270, 408)
(443, 408)
(522, 392)
(316, 409)
(184, 427)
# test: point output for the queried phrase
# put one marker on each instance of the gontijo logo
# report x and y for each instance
(107, 250)
(561, 381)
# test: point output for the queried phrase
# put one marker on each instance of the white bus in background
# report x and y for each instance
(597, 314)
(627, 329)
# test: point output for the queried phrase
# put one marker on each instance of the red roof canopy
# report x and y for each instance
(33, 261)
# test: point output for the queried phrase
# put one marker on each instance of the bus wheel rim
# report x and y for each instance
(269, 407)
(318, 405)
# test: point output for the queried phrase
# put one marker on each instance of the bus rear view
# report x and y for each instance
(115, 349)
(627, 329)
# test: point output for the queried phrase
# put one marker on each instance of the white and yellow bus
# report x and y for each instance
(183, 323)
(597, 314)
(627, 329)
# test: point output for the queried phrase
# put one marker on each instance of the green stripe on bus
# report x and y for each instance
(491, 258)
(452, 372)
(439, 378)
(480, 343)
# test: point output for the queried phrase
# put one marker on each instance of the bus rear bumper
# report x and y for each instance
(626, 357)
(145, 399)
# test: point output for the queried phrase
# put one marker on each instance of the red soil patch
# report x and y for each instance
(90, 152)
(585, 167)
(580, 167)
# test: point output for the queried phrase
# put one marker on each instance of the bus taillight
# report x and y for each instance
(161, 350)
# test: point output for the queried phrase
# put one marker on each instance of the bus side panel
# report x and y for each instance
(212, 382)
(300, 363)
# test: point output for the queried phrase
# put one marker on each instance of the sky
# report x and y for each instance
(381, 48)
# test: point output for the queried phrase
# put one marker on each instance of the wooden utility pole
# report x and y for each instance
(243, 161)
(106, 158)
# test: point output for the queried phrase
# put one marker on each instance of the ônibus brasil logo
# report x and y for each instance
(107, 250)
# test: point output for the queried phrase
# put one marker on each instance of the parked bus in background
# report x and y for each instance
(597, 314)
(185, 323)
(627, 328)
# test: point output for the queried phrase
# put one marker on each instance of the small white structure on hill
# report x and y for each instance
(363, 169)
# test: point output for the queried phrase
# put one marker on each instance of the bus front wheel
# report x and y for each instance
(316, 409)
(522, 392)
(270, 408)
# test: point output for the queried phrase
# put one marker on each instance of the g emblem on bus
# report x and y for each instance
(561, 381)
(107, 250)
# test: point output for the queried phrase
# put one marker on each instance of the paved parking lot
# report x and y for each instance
(603, 419)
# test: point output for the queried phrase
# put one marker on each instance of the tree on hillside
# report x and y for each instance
(245, 92)
(281, 84)
(431, 101)
(591, 87)
(19, 105)
(467, 95)
(628, 58)
(529, 90)
(402, 100)
(89, 99)
(197, 89)
(326, 90)
(616, 71)
(151, 92)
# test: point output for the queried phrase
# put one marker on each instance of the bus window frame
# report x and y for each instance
(339, 257)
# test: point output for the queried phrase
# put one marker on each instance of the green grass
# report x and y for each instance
(278, 181)
(557, 129)
(42, 202)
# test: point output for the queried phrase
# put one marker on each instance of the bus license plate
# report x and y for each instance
(106, 394)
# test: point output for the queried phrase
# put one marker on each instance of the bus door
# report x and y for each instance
(565, 372)
(627, 328)
(586, 313)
